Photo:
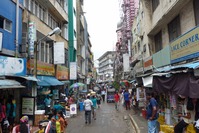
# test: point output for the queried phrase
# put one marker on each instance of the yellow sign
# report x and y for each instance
(186, 47)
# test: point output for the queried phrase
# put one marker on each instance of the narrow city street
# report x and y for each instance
(108, 121)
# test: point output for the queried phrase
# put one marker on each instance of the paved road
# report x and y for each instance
(108, 121)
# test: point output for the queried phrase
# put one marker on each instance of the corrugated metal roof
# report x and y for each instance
(7, 83)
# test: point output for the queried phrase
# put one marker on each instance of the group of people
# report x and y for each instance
(7, 114)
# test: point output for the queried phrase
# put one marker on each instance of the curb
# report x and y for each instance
(137, 130)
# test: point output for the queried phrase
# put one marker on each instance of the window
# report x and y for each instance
(158, 41)
(1, 22)
(44, 52)
(174, 28)
(5, 24)
(8, 25)
(155, 4)
(36, 9)
(32, 6)
(66, 58)
(196, 11)
(26, 3)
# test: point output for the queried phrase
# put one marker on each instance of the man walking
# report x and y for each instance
(152, 113)
(103, 93)
(127, 99)
(88, 107)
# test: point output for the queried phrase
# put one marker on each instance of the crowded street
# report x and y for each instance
(99, 66)
(108, 120)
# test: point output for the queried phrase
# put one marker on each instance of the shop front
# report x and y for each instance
(12, 84)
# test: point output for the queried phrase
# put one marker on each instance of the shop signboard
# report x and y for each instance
(12, 66)
(62, 72)
(126, 64)
(141, 96)
(148, 62)
(31, 38)
(73, 109)
(28, 105)
(186, 46)
(59, 53)
(42, 67)
(73, 71)
(1, 40)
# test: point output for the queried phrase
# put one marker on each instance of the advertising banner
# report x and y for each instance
(73, 71)
(28, 105)
(31, 38)
(42, 68)
(59, 53)
(62, 73)
(126, 64)
(12, 66)
(185, 47)
(1, 41)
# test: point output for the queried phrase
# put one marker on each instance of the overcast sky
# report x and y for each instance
(102, 18)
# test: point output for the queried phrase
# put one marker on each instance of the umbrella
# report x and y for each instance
(75, 85)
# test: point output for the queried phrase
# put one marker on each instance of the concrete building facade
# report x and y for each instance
(105, 69)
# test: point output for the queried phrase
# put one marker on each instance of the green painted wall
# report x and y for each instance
(72, 53)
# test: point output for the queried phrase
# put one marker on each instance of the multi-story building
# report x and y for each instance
(124, 35)
(81, 41)
(31, 29)
(167, 36)
(105, 69)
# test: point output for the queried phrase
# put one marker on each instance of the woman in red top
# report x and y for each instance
(117, 100)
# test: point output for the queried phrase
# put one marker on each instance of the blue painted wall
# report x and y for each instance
(8, 11)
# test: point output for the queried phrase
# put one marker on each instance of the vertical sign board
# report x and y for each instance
(28, 107)
(73, 109)
(59, 53)
(126, 64)
(73, 71)
(1, 40)
(31, 38)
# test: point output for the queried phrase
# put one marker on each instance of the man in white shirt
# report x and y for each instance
(88, 107)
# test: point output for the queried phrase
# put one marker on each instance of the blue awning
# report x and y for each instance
(48, 81)
(7, 83)
(193, 65)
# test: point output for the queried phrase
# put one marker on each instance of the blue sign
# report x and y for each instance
(12, 66)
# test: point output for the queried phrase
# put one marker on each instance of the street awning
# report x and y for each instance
(193, 65)
(30, 78)
(7, 83)
(48, 81)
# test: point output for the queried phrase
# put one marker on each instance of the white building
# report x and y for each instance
(105, 69)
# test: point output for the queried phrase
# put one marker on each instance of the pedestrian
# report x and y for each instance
(62, 121)
(187, 117)
(23, 127)
(94, 107)
(103, 93)
(127, 99)
(152, 113)
(117, 100)
(47, 102)
(88, 106)
(99, 98)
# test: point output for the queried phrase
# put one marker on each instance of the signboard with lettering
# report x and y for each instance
(31, 38)
(12, 66)
(28, 105)
(62, 73)
(185, 47)
(59, 53)
(42, 67)
(73, 70)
